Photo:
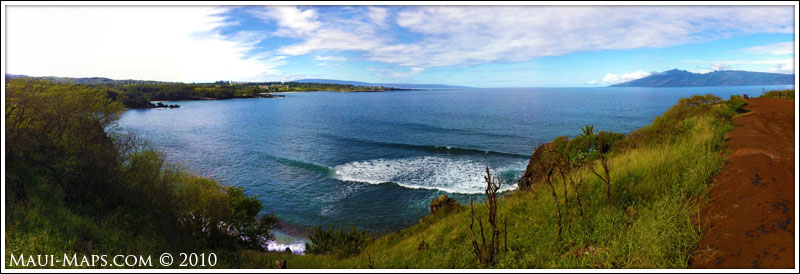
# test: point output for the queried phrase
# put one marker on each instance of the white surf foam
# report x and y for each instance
(452, 175)
(297, 248)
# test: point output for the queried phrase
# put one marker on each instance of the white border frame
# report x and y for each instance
(391, 3)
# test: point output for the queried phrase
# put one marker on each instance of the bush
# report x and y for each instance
(69, 180)
(252, 228)
(787, 94)
(336, 242)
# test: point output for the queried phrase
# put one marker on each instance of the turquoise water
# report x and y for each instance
(375, 160)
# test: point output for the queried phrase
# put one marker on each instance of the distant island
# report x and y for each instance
(682, 78)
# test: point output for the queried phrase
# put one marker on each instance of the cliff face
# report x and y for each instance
(532, 170)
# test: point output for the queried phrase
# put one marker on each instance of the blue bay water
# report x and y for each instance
(375, 160)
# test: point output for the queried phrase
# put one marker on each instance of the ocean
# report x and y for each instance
(374, 161)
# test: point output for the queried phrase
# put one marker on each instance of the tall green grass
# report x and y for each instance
(658, 183)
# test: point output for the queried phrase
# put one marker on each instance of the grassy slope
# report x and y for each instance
(657, 190)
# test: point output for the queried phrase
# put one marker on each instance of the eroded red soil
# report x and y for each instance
(749, 219)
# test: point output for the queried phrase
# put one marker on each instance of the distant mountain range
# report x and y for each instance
(365, 84)
(682, 78)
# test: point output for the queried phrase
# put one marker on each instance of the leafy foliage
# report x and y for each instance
(252, 228)
(787, 94)
(339, 242)
(72, 178)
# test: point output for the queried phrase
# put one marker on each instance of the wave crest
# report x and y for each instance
(297, 248)
(446, 174)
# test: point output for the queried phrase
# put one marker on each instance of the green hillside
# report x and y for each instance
(659, 175)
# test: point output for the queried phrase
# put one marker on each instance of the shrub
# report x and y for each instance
(787, 94)
(252, 228)
(336, 242)
(487, 254)
(69, 170)
(736, 103)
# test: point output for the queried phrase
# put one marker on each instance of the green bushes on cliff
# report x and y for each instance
(787, 94)
(74, 184)
(339, 242)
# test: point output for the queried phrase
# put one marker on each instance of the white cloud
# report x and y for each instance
(467, 35)
(337, 34)
(702, 71)
(330, 58)
(784, 65)
(295, 22)
(720, 67)
(782, 48)
(378, 15)
(717, 66)
(611, 78)
(394, 73)
(152, 43)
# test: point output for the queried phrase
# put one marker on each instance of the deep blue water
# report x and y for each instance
(375, 160)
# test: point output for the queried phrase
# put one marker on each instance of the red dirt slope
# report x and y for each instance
(749, 219)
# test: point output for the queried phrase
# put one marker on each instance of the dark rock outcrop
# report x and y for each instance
(162, 105)
(422, 246)
(532, 171)
(445, 204)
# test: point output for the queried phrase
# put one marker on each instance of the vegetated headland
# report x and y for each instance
(596, 200)
(141, 94)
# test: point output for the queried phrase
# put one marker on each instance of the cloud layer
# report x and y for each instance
(186, 43)
(468, 35)
(777, 65)
(152, 43)
(783, 48)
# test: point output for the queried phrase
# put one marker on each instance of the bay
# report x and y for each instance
(375, 160)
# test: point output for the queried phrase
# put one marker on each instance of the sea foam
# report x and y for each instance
(297, 248)
(454, 175)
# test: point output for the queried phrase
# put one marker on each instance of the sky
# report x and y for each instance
(478, 46)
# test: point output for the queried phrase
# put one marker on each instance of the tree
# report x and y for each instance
(560, 162)
(547, 166)
(573, 160)
(601, 146)
(486, 254)
(251, 227)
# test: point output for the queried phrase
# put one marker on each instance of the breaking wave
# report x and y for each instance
(451, 175)
(297, 248)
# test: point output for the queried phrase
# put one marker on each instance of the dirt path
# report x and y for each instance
(749, 219)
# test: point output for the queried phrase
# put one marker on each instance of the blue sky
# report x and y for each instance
(480, 46)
